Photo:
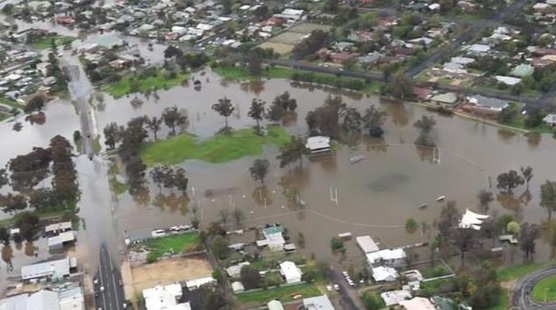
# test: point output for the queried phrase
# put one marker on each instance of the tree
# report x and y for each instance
(449, 218)
(281, 106)
(351, 120)
(219, 247)
(238, 216)
(507, 181)
(336, 244)
(250, 277)
(154, 124)
(262, 12)
(259, 170)
(548, 198)
(373, 119)
(301, 239)
(256, 112)
(3, 177)
(513, 227)
(372, 301)
(308, 46)
(28, 225)
(157, 175)
(528, 235)
(527, 173)
(326, 118)
(41, 199)
(485, 198)
(400, 87)
(171, 51)
(4, 236)
(212, 299)
(173, 118)
(12, 203)
(255, 64)
(225, 108)
(291, 152)
(34, 105)
(181, 180)
(411, 225)
(113, 134)
(224, 215)
(464, 239)
(425, 125)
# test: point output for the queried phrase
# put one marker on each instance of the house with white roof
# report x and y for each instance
(550, 120)
(275, 305)
(318, 303)
(384, 274)
(68, 299)
(318, 144)
(290, 272)
(366, 244)
(417, 303)
(165, 297)
(393, 298)
(50, 270)
(388, 257)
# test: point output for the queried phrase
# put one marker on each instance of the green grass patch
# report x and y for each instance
(283, 293)
(46, 42)
(175, 244)
(10, 102)
(504, 302)
(277, 72)
(97, 147)
(217, 149)
(516, 272)
(545, 290)
(4, 116)
(130, 84)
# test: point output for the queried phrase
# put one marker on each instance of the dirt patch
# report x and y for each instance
(508, 285)
(169, 271)
(279, 48)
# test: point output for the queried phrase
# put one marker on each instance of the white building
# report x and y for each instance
(472, 220)
(291, 273)
(273, 238)
(234, 271)
(275, 305)
(393, 298)
(70, 299)
(318, 303)
(165, 298)
(237, 287)
(550, 120)
(417, 303)
(366, 244)
(51, 270)
(384, 274)
(195, 284)
(388, 257)
(318, 144)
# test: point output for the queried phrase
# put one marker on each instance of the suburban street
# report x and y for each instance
(349, 297)
(522, 293)
(107, 284)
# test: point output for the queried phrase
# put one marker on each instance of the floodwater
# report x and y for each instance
(374, 196)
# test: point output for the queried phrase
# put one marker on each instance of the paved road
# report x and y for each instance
(109, 294)
(522, 293)
(350, 299)
(473, 32)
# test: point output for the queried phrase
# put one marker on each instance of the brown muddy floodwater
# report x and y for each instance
(375, 196)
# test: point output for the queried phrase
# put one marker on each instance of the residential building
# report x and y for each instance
(56, 243)
(67, 299)
(55, 229)
(290, 272)
(165, 297)
(318, 303)
(235, 270)
(318, 144)
(384, 274)
(550, 120)
(237, 287)
(50, 270)
(389, 257)
(196, 283)
(417, 303)
(484, 105)
(273, 238)
(366, 244)
(275, 305)
(445, 99)
(393, 298)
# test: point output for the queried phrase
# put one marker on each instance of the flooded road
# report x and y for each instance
(375, 196)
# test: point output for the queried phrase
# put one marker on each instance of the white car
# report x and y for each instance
(336, 287)
(345, 273)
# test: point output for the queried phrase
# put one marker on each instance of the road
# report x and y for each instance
(522, 293)
(472, 33)
(107, 284)
(350, 299)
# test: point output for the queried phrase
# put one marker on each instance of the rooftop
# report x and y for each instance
(318, 303)
(367, 244)
(472, 220)
(56, 269)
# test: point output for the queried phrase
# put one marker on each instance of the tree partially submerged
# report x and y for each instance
(508, 181)
(259, 170)
(224, 108)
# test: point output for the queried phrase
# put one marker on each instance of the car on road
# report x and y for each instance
(120, 282)
(345, 273)
(336, 287)
(102, 289)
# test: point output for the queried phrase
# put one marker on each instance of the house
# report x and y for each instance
(234, 271)
(389, 257)
(71, 298)
(508, 80)
(366, 244)
(417, 303)
(370, 59)
(550, 120)
(290, 272)
(196, 283)
(237, 287)
(56, 243)
(318, 303)
(484, 105)
(165, 297)
(318, 144)
(478, 49)
(384, 274)
(273, 238)
(275, 305)
(523, 70)
(50, 270)
(422, 93)
(472, 220)
(341, 57)
(446, 99)
(393, 298)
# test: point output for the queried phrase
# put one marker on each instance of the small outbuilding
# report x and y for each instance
(290, 272)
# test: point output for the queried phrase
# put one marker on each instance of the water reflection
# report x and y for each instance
(397, 112)
(377, 145)
(262, 196)
(512, 203)
(172, 202)
(506, 135)
(533, 139)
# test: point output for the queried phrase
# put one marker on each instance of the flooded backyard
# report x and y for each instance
(374, 196)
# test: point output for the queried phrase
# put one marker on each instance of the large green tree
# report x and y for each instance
(259, 170)
(225, 108)
(507, 181)
(257, 112)
(548, 198)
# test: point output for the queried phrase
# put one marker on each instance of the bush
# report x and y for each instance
(151, 258)
(336, 244)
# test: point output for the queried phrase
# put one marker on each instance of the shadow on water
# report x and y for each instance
(262, 196)
(377, 145)
(172, 202)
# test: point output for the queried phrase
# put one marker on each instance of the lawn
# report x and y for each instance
(235, 73)
(283, 293)
(180, 243)
(3, 116)
(516, 272)
(158, 81)
(217, 149)
(46, 41)
(504, 302)
(545, 290)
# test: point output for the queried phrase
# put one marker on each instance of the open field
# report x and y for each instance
(169, 271)
(217, 149)
(309, 27)
(279, 48)
(156, 82)
(176, 244)
(288, 37)
(545, 290)
(516, 272)
(46, 41)
(283, 293)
